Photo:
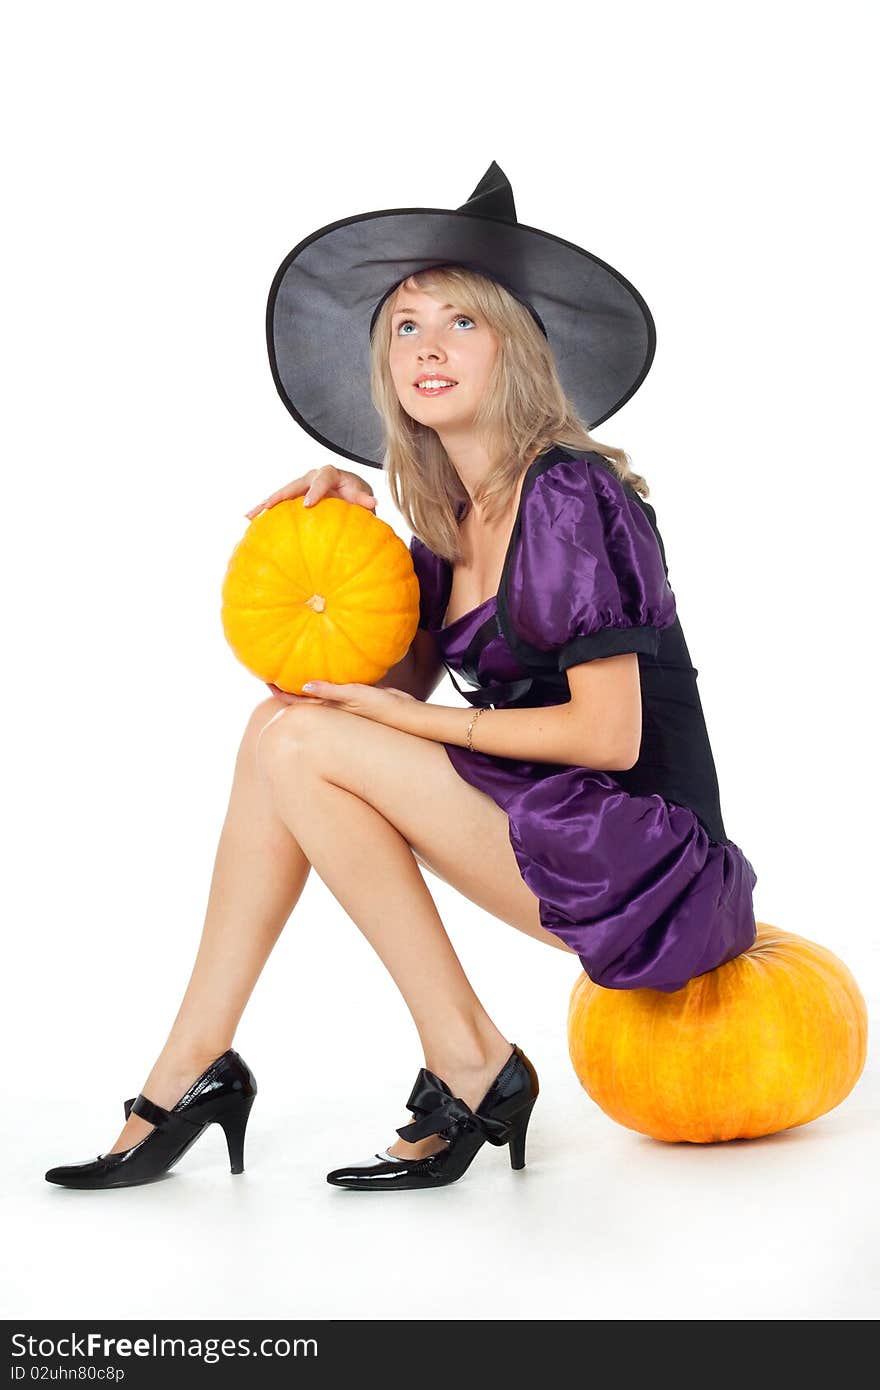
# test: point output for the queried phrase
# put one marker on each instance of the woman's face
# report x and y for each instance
(430, 338)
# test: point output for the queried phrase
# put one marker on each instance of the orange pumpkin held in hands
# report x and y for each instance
(770, 1040)
(323, 593)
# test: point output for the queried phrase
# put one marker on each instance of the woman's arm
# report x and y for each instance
(420, 671)
(600, 727)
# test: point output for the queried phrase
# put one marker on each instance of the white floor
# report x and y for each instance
(602, 1223)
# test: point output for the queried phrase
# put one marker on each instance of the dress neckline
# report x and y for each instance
(469, 614)
(538, 465)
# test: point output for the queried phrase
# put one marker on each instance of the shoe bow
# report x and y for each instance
(440, 1112)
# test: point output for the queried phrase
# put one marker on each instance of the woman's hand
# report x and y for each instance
(381, 703)
(287, 698)
(327, 481)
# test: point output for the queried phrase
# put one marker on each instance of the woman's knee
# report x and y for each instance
(260, 719)
(284, 735)
(300, 735)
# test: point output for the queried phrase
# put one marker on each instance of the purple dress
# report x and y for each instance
(633, 870)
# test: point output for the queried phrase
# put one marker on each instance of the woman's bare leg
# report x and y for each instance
(259, 874)
(370, 868)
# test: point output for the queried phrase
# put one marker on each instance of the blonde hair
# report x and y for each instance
(524, 411)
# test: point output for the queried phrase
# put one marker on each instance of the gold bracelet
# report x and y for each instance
(471, 727)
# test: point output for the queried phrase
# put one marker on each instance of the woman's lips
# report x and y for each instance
(435, 390)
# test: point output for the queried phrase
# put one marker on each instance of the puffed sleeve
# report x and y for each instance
(429, 572)
(588, 575)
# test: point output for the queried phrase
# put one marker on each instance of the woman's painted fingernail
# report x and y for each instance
(309, 685)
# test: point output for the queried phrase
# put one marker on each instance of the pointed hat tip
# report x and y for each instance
(492, 197)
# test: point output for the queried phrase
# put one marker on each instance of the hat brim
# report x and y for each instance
(326, 289)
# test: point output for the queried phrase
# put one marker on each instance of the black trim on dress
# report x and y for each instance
(524, 693)
(609, 641)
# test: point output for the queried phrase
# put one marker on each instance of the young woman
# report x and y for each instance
(575, 798)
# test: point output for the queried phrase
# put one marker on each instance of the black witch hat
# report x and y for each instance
(327, 292)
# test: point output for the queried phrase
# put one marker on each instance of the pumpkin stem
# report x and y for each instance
(317, 602)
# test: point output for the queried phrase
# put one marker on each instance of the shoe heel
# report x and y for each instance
(517, 1141)
(234, 1125)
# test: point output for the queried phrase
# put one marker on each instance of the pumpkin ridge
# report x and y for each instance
(332, 545)
(380, 586)
(382, 611)
(295, 637)
(301, 531)
(273, 561)
(342, 633)
(254, 607)
(350, 577)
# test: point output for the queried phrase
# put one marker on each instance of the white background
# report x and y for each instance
(159, 165)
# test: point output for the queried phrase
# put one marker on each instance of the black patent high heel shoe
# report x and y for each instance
(502, 1117)
(223, 1094)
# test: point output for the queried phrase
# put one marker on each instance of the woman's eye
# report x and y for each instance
(404, 323)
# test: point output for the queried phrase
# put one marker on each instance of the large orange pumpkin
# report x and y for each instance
(770, 1040)
(326, 592)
